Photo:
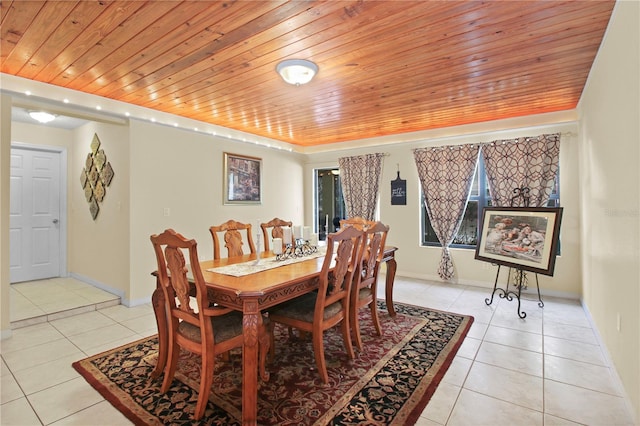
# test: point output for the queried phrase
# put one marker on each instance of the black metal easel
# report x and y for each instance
(519, 275)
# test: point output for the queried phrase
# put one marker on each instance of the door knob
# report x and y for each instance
(55, 221)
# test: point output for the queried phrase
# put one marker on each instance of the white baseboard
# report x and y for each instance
(121, 294)
(98, 284)
(530, 290)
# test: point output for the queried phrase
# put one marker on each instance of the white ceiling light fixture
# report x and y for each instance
(297, 71)
(42, 116)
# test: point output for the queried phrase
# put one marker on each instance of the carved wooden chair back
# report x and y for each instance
(202, 329)
(364, 289)
(233, 234)
(358, 222)
(318, 311)
(275, 225)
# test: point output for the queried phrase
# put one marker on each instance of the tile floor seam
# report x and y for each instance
(577, 360)
(15, 379)
(3, 353)
(466, 376)
(584, 388)
(51, 386)
(511, 346)
(508, 369)
(454, 405)
(506, 401)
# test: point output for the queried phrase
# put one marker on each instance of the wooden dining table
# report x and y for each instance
(251, 294)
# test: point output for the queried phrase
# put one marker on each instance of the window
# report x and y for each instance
(329, 204)
(467, 236)
(554, 198)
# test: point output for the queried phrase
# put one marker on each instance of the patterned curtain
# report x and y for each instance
(360, 177)
(522, 163)
(446, 175)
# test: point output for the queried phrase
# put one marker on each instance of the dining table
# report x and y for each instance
(251, 293)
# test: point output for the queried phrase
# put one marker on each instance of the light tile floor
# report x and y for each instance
(546, 369)
(35, 302)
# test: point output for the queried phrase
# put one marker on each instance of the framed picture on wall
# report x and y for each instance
(242, 179)
(520, 237)
(398, 191)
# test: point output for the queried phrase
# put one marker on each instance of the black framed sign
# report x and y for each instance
(398, 191)
(520, 237)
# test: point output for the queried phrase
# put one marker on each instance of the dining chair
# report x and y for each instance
(364, 289)
(275, 225)
(318, 311)
(357, 221)
(232, 233)
(203, 329)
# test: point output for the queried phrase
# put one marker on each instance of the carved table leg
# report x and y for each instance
(251, 323)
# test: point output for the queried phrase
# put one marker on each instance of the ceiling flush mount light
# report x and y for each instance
(42, 116)
(297, 71)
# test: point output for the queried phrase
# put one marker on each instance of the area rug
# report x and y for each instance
(389, 382)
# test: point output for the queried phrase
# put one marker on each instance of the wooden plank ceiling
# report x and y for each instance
(386, 67)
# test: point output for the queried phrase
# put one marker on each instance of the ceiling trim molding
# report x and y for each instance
(491, 129)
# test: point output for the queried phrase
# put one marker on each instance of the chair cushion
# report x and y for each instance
(302, 308)
(364, 293)
(225, 327)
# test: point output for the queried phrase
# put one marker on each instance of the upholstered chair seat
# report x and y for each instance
(225, 327)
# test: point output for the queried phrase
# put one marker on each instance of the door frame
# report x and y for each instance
(63, 195)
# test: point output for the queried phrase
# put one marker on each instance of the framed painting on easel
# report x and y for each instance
(520, 237)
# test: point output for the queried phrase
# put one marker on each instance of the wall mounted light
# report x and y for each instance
(42, 116)
(297, 71)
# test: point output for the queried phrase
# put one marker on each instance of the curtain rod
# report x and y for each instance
(504, 141)
(384, 154)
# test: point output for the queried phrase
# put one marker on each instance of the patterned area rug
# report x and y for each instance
(389, 382)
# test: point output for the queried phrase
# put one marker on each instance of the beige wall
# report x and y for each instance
(156, 167)
(33, 134)
(99, 249)
(92, 247)
(141, 154)
(182, 171)
(404, 221)
(610, 194)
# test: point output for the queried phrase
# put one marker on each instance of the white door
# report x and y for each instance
(35, 214)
